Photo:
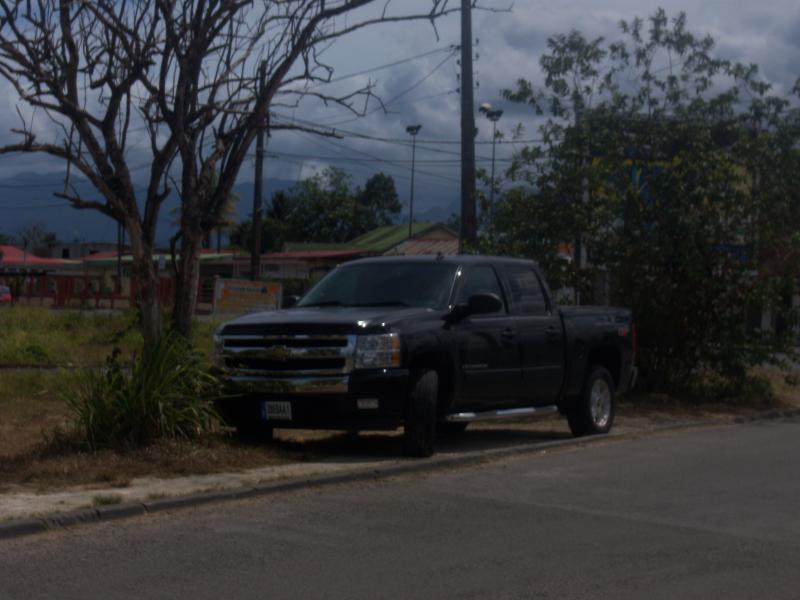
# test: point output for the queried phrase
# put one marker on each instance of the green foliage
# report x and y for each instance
(325, 208)
(680, 194)
(106, 500)
(165, 393)
(39, 336)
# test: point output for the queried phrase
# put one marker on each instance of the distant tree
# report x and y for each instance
(35, 237)
(325, 208)
(376, 204)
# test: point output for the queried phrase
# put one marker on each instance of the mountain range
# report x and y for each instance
(27, 198)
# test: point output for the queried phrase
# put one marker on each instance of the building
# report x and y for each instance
(309, 261)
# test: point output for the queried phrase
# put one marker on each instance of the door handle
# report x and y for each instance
(552, 332)
(508, 333)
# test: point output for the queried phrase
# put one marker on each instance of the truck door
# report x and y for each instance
(540, 335)
(488, 351)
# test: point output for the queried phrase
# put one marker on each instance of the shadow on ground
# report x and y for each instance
(345, 447)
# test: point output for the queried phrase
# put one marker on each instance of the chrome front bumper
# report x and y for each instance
(290, 385)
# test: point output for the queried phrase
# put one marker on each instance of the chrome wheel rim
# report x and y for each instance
(600, 403)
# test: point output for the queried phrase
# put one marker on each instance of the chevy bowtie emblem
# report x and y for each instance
(279, 353)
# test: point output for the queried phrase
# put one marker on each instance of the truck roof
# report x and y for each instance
(458, 259)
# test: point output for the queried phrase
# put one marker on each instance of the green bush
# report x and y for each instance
(165, 393)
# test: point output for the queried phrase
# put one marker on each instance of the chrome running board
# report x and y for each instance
(507, 413)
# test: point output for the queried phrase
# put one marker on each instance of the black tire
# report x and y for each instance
(451, 427)
(419, 433)
(593, 411)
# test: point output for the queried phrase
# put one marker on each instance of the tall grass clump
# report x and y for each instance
(165, 393)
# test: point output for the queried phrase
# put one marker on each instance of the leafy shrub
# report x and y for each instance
(166, 393)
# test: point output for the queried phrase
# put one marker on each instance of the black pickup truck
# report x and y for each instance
(426, 343)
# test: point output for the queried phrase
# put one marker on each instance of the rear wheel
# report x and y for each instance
(419, 433)
(593, 412)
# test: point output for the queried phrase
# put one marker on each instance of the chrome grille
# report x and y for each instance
(284, 355)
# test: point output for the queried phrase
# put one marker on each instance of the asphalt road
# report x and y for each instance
(703, 513)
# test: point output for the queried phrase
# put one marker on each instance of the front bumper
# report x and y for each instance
(320, 402)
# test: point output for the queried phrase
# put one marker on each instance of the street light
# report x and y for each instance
(493, 115)
(412, 130)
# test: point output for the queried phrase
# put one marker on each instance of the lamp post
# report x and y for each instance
(412, 130)
(493, 115)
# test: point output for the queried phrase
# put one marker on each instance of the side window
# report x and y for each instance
(481, 280)
(527, 297)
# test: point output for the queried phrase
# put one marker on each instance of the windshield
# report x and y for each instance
(417, 284)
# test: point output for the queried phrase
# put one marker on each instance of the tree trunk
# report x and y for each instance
(144, 272)
(187, 282)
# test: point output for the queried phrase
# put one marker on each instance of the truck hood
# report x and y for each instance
(357, 319)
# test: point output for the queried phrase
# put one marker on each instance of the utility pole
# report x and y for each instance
(412, 130)
(469, 226)
(494, 116)
(255, 251)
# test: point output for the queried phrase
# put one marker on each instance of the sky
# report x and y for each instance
(422, 88)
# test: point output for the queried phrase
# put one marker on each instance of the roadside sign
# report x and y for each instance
(241, 296)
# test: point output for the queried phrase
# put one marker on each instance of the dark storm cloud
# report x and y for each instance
(510, 45)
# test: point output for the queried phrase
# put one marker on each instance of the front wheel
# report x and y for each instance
(593, 412)
(419, 432)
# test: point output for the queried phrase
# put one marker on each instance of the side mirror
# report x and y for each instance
(290, 301)
(479, 304)
(482, 304)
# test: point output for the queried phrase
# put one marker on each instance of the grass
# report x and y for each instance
(166, 393)
(106, 499)
(37, 336)
(44, 469)
(784, 387)
(44, 337)
(30, 407)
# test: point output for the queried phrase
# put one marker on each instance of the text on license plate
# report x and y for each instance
(276, 411)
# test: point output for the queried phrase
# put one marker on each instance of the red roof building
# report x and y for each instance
(13, 257)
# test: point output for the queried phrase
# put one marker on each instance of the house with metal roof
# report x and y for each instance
(312, 260)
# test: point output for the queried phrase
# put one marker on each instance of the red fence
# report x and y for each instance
(91, 291)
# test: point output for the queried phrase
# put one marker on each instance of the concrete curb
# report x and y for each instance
(25, 527)
(769, 415)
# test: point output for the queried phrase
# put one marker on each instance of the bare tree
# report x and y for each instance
(183, 74)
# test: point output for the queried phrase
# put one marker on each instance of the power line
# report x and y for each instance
(403, 141)
(35, 207)
(444, 161)
(389, 102)
(450, 49)
(378, 159)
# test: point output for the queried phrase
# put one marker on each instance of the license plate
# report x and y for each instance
(276, 411)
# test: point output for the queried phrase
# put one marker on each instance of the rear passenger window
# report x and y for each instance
(527, 296)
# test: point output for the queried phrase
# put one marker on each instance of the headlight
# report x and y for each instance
(377, 351)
